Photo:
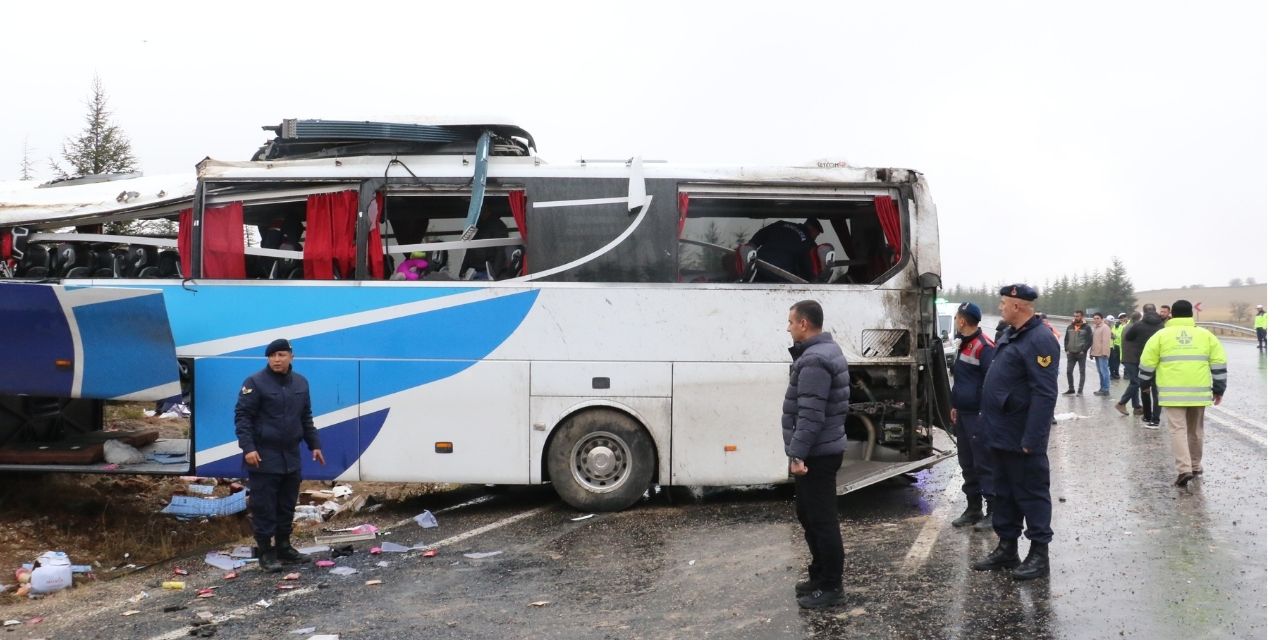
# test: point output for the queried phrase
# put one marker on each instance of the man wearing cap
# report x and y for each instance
(1117, 332)
(1260, 327)
(973, 359)
(1191, 366)
(273, 417)
(789, 247)
(1018, 398)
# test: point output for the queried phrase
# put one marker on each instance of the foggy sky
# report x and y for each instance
(1052, 136)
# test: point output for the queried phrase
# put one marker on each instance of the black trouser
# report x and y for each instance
(816, 509)
(1150, 403)
(1262, 336)
(1131, 391)
(272, 497)
(1072, 360)
(1115, 362)
(1022, 494)
(975, 458)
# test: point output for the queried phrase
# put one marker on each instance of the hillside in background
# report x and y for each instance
(1216, 302)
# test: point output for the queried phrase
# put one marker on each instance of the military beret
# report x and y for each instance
(1020, 291)
(279, 344)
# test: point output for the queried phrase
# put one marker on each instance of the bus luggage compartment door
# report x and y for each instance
(86, 342)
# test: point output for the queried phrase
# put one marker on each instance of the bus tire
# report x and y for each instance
(601, 460)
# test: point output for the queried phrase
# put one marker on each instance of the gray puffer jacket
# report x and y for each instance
(817, 400)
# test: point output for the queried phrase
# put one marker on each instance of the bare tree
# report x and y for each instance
(1239, 311)
(27, 167)
(101, 147)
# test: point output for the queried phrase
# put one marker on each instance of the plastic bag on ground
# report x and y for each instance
(117, 452)
(426, 520)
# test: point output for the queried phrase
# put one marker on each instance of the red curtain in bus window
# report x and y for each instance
(222, 239)
(184, 242)
(887, 212)
(330, 236)
(377, 266)
(682, 200)
(517, 201)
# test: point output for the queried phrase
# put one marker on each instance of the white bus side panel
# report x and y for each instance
(717, 405)
(653, 413)
(601, 379)
(483, 410)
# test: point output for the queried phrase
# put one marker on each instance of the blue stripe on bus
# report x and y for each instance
(343, 444)
(32, 345)
(127, 346)
(223, 311)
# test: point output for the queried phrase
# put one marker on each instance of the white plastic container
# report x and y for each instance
(53, 574)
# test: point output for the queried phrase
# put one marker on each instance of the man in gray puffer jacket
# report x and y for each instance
(813, 417)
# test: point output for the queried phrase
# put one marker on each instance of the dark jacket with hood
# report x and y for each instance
(1136, 335)
(817, 400)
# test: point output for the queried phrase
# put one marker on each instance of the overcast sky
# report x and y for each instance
(1053, 136)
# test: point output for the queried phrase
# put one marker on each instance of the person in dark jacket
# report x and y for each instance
(1076, 341)
(1018, 398)
(788, 246)
(973, 359)
(486, 263)
(273, 417)
(1134, 341)
(813, 416)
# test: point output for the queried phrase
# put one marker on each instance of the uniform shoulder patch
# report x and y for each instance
(244, 391)
(1044, 361)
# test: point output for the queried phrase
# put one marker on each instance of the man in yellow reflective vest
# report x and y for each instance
(1116, 331)
(1260, 327)
(1192, 367)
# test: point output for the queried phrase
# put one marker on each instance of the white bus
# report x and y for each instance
(467, 312)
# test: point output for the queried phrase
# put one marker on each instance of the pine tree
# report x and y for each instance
(102, 147)
(27, 166)
(1118, 288)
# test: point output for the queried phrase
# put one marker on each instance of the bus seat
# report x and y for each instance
(168, 264)
(64, 259)
(139, 257)
(824, 258)
(512, 262)
(744, 263)
(35, 261)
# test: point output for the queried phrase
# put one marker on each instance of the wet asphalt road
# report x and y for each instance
(1132, 557)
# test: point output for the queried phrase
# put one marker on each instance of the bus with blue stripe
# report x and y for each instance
(467, 312)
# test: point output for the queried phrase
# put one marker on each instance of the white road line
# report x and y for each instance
(923, 546)
(1237, 429)
(253, 609)
(1244, 419)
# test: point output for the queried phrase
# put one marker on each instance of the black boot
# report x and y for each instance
(822, 598)
(1036, 565)
(268, 561)
(985, 522)
(288, 555)
(1004, 556)
(971, 515)
(806, 587)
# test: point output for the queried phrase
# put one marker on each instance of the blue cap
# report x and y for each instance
(972, 310)
(1020, 291)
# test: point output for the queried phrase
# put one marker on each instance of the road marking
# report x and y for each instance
(1246, 420)
(1237, 429)
(923, 546)
(253, 609)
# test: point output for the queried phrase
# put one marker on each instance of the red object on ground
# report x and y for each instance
(430, 553)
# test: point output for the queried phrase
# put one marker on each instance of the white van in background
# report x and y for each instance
(946, 313)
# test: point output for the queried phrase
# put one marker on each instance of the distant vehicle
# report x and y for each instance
(599, 325)
(946, 312)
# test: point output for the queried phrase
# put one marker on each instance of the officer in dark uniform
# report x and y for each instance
(1018, 398)
(973, 360)
(788, 246)
(273, 417)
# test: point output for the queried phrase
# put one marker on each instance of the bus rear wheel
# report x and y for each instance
(600, 460)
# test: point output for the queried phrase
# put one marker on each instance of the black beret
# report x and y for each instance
(1020, 291)
(279, 344)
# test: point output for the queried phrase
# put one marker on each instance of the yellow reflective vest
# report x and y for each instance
(1115, 334)
(1187, 362)
(1260, 321)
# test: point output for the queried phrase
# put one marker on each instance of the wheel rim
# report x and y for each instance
(601, 462)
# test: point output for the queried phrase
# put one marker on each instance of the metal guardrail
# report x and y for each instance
(1218, 328)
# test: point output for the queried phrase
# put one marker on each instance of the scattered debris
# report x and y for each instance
(342, 491)
(117, 452)
(142, 595)
(206, 592)
(306, 551)
(204, 615)
(51, 572)
(384, 564)
(391, 547)
(174, 607)
(194, 506)
(430, 553)
(263, 603)
(325, 563)
(286, 587)
(540, 603)
(303, 631)
(326, 636)
(375, 551)
(581, 518)
(179, 571)
(691, 562)
(486, 554)
(131, 612)
(1070, 415)
(174, 585)
(10, 623)
(345, 537)
(343, 551)
(222, 561)
(200, 489)
(231, 575)
(242, 552)
(372, 583)
(344, 571)
(426, 520)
